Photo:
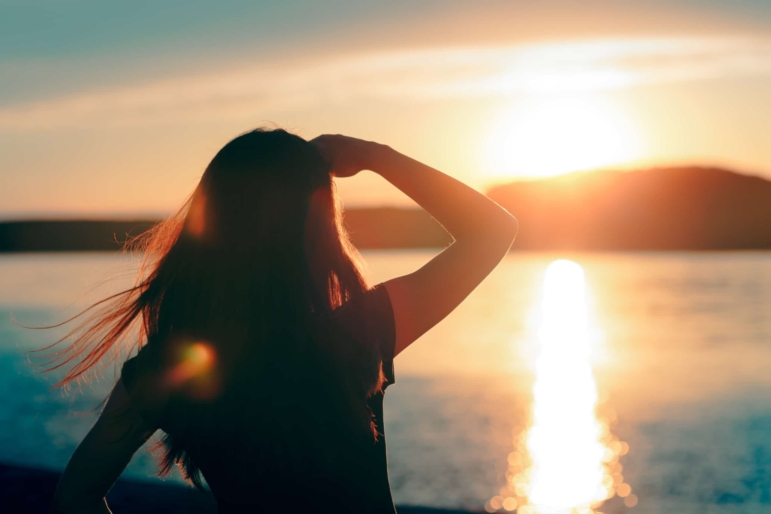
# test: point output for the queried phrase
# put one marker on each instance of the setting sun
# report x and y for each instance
(550, 136)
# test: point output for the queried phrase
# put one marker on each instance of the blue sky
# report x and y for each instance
(115, 107)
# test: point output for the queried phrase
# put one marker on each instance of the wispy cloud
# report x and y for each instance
(415, 75)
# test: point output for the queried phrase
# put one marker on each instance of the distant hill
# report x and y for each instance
(69, 235)
(391, 227)
(682, 208)
(369, 228)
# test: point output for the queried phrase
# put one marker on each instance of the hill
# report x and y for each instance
(683, 208)
(69, 235)
(376, 228)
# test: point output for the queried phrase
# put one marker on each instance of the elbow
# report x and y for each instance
(497, 237)
(496, 232)
(503, 225)
(511, 228)
(506, 230)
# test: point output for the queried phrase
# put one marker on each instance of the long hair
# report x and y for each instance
(228, 297)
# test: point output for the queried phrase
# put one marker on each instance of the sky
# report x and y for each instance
(115, 108)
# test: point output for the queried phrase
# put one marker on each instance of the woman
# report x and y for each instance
(263, 352)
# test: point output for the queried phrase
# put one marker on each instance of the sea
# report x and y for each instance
(563, 379)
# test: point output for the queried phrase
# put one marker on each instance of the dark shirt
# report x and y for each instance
(358, 479)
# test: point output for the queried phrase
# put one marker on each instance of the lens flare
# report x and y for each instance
(196, 362)
(196, 217)
(567, 461)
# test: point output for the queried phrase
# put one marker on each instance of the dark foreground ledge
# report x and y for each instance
(29, 490)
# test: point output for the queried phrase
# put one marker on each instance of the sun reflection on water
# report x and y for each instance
(567, 461)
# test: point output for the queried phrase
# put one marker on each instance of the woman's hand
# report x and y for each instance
(347, 155)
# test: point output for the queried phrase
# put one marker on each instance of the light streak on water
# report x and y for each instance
(567, 461)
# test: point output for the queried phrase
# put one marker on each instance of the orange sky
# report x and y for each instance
(123, 119)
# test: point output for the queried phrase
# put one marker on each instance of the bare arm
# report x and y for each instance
(101, 457)
(483, 233)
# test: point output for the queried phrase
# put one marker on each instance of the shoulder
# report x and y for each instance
(142, 378)
(142, 367)
(365, 321)
(372, 303)
(368, 317)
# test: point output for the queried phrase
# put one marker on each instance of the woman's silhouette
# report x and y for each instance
(263, 352)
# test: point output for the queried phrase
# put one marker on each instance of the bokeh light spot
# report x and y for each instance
(631, 500)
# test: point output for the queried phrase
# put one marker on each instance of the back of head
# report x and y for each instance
(260, 258)
(256, 192)
(228, 303)
(240, 262)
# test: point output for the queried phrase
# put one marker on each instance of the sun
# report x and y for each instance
(548, 136)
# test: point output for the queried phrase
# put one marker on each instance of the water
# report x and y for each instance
(680, 356)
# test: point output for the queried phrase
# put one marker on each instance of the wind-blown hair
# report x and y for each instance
(245, 269)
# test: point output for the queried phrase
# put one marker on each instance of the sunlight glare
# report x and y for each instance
(567, 461)
(548, 136)
(564, 442)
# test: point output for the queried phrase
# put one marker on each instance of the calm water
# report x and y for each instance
(680, 353)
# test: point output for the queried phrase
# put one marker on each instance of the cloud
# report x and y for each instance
(409, 75)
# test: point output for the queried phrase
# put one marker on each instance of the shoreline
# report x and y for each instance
(27, 489)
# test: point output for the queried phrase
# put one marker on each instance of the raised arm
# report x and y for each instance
(101, 457)
(483, 233)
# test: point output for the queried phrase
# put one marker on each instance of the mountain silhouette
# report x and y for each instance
(676, 208)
